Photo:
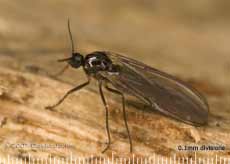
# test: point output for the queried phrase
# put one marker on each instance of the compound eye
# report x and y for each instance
(76, 60)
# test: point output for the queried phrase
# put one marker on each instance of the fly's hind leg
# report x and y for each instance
(124, 114)
(106, 116)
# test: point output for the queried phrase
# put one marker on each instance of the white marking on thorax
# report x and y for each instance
(91, 60)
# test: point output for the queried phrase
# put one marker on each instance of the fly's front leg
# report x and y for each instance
(68, 93)
(124, 114)
(106, 116)
(60, 72)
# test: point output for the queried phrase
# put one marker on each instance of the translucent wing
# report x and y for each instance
(164, 92)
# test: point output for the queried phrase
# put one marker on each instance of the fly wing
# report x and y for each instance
(162, 91)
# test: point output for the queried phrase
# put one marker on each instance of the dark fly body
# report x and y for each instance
(122, 75)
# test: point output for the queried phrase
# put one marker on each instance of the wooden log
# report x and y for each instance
(77, 126)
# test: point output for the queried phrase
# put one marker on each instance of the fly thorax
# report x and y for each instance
(95, 64)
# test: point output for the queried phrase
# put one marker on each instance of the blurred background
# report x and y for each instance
(189, 39)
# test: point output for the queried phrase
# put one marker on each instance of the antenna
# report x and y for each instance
(71, 38)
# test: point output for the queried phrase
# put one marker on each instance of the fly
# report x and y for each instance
(160, 90)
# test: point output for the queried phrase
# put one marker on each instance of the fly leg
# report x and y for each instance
(106, 116)
(124, 114)
(68, 93)
(60, 72)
